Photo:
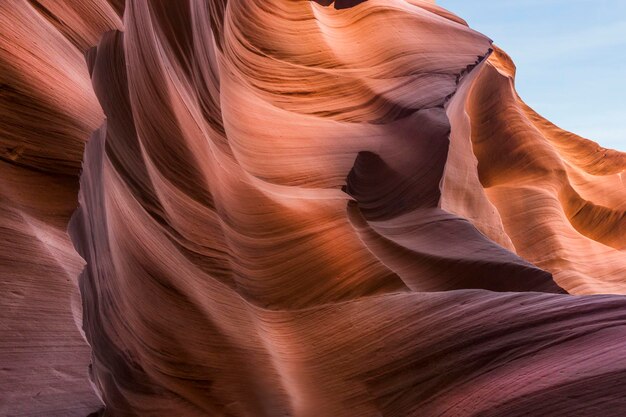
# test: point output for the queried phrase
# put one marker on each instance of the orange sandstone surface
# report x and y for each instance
(295, 208)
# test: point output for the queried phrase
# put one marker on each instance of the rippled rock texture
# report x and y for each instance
(295, 208)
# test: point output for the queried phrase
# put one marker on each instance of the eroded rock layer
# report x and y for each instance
(296, 208)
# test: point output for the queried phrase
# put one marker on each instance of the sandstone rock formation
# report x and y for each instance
(295, 208)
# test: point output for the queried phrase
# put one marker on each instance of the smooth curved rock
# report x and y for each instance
(296, 210)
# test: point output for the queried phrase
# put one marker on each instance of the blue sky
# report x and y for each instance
(570, 57)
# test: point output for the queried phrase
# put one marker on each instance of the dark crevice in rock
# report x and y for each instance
(340, 4)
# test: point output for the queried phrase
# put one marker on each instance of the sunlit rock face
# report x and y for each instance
(295, 208)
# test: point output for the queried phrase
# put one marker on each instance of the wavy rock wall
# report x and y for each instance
(299, 209)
